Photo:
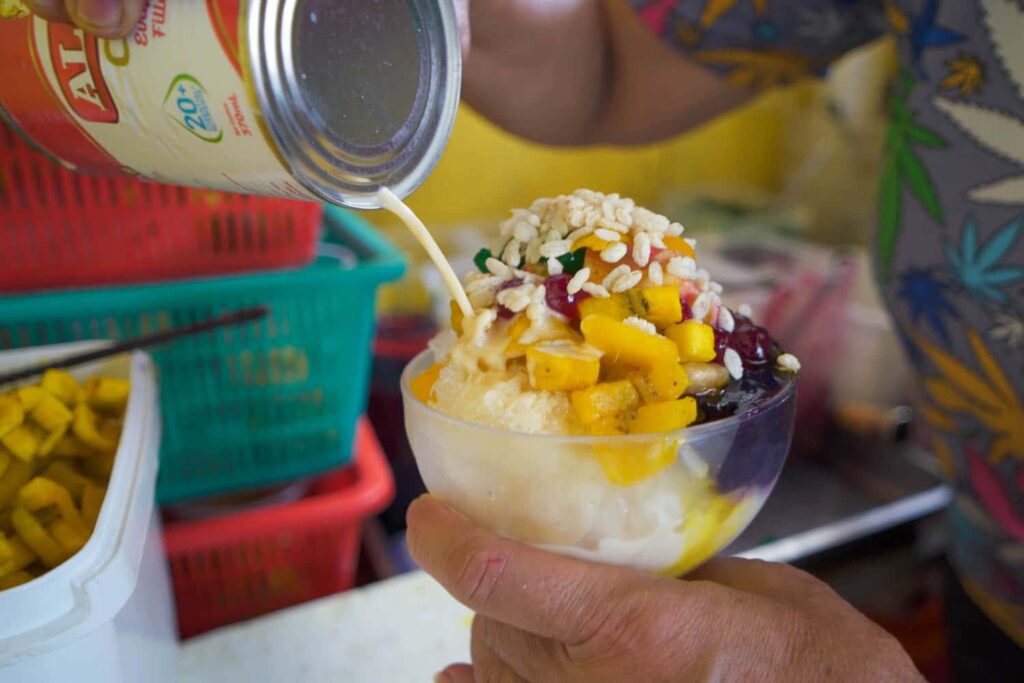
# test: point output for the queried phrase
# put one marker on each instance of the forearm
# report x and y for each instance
(537, 68)
(574, 72)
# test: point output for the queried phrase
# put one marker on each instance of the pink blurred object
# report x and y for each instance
(807, 314)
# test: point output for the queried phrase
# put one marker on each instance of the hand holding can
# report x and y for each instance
(318, 100)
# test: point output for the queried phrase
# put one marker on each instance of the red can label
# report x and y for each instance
(171, 102)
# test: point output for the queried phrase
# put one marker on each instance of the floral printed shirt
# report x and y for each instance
(949, 253)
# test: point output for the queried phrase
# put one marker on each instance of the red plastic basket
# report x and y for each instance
(62, 229)
(243, 565)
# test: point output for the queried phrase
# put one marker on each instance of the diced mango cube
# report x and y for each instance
(109, 395)
(70, 539)
(623, 343)
(680, 246)
(86, 428)
(21, 558)
(50, 414)
(50, 441)
(23, 442)
(423, 384)
(694, 340)
(11, 414)
(629, 463)
(70, 446)
(608, 399)
(609, 426)
(6, 549)
(664, 417)
(658, 305)
(15, 579)
(30, 397)
(562, 366)
(61, 384)
(591, 241)
(99, 466)
(92, 502)
(42, 492)
(68, 477)
(661, 384)
(18, 472)
(615, 307)
(37, 538)
(516, 329)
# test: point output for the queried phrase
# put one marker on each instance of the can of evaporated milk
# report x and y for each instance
(323, 100)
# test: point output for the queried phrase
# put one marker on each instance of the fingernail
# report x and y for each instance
(98, 13)
(442, 677)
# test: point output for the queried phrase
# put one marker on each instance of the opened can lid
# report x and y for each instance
(356, 94)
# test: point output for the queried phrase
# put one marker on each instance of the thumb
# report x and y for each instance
(106, 18)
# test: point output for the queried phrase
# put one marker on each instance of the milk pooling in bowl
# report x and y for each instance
(598, 399)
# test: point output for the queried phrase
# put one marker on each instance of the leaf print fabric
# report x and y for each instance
(949, 248)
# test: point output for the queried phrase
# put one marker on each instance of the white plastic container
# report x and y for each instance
(106, 614)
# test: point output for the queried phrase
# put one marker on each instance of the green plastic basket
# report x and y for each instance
(247, 406)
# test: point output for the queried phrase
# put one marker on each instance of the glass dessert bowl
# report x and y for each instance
(663, 502)
(593, 395)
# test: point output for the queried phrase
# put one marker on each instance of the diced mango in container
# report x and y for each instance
(51, 440)
(99, 466)
(5, 460)
(61, 384)
(608, 399)
(422, 384)
(42, 492)
(662, 384)
(615, 307)
(86, 428)
(37, 538)
(30, 397)
(50, 414)
(109, 395)
(92, 501)
(21, 558)
(23, 442)
(6, 549)
(66, 475)
(11, 415)
(456, 316)
(562, 366)
(623, 343)
(67, 536)
(694, 340)
(679, 245)
(18, 472)
(70, 446)
(664, 417)
(16, 579)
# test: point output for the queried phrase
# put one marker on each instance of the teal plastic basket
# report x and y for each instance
(252, 405)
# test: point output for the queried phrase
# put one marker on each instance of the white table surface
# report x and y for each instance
(403, 629)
